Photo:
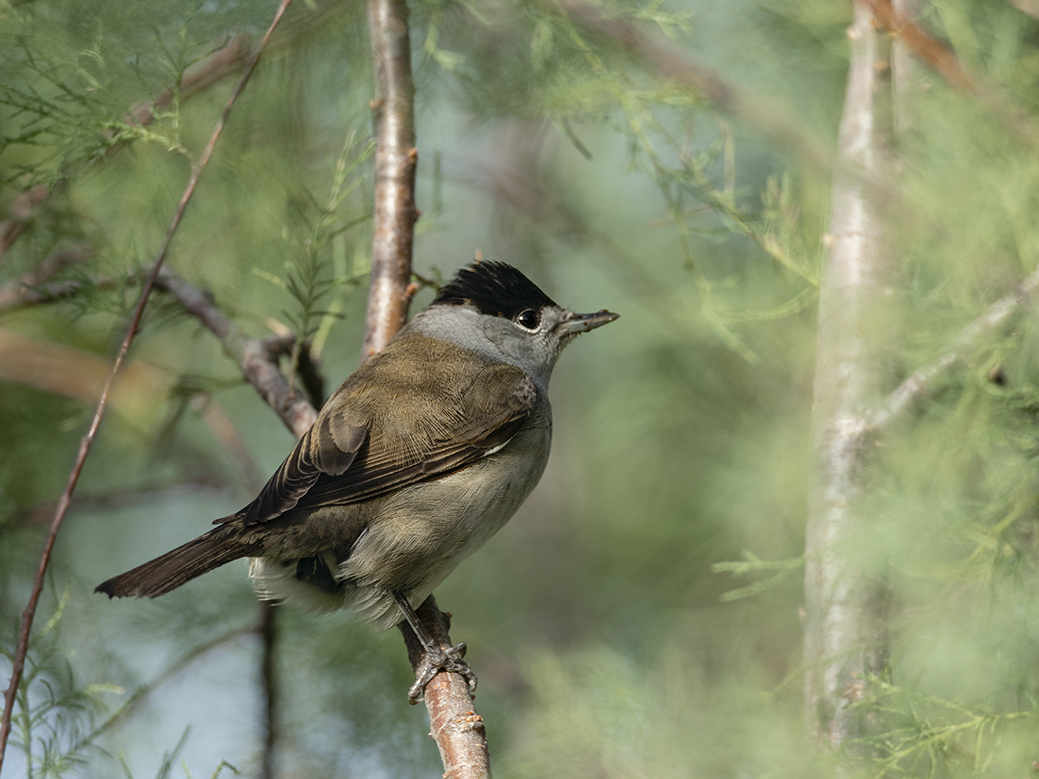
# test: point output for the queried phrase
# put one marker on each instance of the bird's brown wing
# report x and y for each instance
(362, 447)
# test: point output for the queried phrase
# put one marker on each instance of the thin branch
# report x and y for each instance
(87, 441)
(258, 358)
(901, 402)
(268, 632)
(456, 728)
(396, 160)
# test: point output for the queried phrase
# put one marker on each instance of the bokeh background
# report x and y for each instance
(610, 637)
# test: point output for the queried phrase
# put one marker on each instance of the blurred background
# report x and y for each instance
(642, 615)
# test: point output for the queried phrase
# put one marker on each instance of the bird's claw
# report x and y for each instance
(449, 660)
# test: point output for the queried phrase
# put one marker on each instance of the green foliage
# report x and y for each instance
(53, 713)
(316, 272)
(928, 736)
(605, 622)
(598, 713)
(68, 107)
(751, 564)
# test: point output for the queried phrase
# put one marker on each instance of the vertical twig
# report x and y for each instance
(456, 727)
(269, 671)
(906, 70)
(845, 628)
(395, 162)
(18, 666)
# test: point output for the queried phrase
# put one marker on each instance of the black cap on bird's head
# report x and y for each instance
(495, 289)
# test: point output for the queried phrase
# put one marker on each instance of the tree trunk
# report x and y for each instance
(845, 600)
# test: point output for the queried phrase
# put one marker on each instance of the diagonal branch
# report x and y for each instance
(258, 358)
(87, 441)
(901, 402)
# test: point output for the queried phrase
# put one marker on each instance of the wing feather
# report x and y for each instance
(365, 445)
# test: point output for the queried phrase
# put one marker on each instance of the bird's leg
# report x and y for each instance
(435, 658)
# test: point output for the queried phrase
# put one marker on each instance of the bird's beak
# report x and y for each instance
(582, 323)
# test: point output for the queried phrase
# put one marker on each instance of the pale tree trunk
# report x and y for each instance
(845, 595)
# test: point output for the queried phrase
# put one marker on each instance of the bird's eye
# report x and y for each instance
(528, 319)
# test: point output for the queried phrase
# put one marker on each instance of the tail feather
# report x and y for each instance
(171, 570)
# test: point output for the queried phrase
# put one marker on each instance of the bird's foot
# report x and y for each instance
(436, 659)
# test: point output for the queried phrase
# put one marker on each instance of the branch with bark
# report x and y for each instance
(845, 606)
(455, 726)
(257, 358)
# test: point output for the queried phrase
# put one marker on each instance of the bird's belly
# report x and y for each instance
(416, 537)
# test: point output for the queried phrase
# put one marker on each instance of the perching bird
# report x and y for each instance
(414, 462)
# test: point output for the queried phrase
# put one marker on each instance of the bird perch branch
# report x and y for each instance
(456, 727)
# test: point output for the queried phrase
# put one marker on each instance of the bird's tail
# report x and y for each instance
(166, 573)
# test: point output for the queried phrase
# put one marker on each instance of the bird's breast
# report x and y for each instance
(418, 535)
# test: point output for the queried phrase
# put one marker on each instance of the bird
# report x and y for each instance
(415, 461)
